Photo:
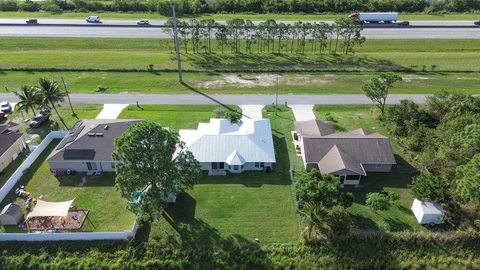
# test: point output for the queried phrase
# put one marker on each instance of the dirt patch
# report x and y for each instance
(265, 80)
(409, 78)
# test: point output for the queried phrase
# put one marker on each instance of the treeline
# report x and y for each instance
(444, 135)
(240, 35)
(191, 7)
(348, 251)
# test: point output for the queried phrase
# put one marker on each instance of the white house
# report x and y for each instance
(221, 146)
(427, 212)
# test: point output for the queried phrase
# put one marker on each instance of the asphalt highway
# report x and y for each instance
(129, 29)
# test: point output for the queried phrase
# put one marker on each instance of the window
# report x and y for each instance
(257, 164)
(214, 165)
(378, 166)
(218, 165)
(235, 167)
(91, 166)
(353, 177)
(262, 165)
(113, 165)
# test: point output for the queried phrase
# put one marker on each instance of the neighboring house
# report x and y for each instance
(89, 145)
(350, 155)
(221, 146)
(11, 144)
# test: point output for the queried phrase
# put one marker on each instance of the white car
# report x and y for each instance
(5, 107)
(143, 22)
(93, 19)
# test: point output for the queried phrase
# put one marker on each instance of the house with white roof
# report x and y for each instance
(221, 146)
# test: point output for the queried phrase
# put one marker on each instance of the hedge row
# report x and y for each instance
(235, 6)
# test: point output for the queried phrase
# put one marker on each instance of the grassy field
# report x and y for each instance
(283, 17)
(249, 205)
(229, 83)
(138, 54)
(107, 208)
(399, 217)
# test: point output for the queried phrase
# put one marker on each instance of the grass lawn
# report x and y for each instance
(245, 206)
(220, 83)
(173, 116)
(399, 217)
(251, 16)
(107, 208)
(136, 54)
(11, 168)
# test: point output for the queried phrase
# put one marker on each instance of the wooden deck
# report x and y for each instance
(72, 222)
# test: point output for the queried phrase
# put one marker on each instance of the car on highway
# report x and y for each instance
(39, 119)
(143, 22)
(476, 23)
(5, 107)
(32, 21)
(93, 19)
(403, 23)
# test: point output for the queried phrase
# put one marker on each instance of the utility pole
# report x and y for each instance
(177, 46)
(68, 97)
(276, 97)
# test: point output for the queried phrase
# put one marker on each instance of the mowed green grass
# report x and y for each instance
(138, 54)
(245, 206)
(107, 208)
(207, 82)
(399, 217)
(251, 16)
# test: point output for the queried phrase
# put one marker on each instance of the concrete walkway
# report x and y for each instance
(111, 111)
(303, 112)
(252, 111)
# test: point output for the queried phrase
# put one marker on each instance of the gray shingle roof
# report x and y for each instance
(7, 140)
(345, 150)
(313, 128)
(91, 139)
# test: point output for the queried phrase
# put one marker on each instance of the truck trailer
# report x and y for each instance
(376, 17)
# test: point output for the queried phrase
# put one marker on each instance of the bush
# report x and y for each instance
(29, 6)
(8, 5)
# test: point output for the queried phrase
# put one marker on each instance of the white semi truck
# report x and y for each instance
(377, 17)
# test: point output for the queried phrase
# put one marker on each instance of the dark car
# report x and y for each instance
(476, 23)
(32, 21)
(403, 23)
(38, 120)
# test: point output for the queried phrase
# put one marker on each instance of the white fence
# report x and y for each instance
(52, 236)
(29, 161)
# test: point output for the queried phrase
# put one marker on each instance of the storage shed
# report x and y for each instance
(12, 214)
(427, 212)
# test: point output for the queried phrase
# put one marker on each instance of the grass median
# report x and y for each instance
(250, 16)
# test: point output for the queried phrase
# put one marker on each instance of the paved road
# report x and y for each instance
(145, 32)
(224, 99)
(127, 29)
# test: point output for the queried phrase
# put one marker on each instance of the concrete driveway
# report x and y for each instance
(303, 112)
(252, 111)
(111, 111)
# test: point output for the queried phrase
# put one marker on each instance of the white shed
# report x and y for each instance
(11, 214)
(427, 212)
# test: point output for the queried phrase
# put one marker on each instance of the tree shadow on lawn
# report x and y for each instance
(283, 61)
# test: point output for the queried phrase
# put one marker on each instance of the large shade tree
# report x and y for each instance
(377, 88)
(152, 161)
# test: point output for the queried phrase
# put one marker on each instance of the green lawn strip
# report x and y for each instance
(399, 217)
(11, 168)
(109, 54)
(174, 116)
(107, 208)
(248, 205)
(289, 83)
(251, 16)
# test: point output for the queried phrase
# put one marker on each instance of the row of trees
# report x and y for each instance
(235, 6)
(444, 134)
(239, 35)
(47, 94)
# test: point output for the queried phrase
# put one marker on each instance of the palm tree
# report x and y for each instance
(29, 98)
(313, 217)
(51, 94)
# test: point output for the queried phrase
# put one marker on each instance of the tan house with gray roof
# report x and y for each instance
(350, 155)
(89, 145)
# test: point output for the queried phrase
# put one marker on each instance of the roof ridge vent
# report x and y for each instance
(91, 134)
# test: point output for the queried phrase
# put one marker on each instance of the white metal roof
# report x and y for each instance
(221, 141)
(427, 208)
